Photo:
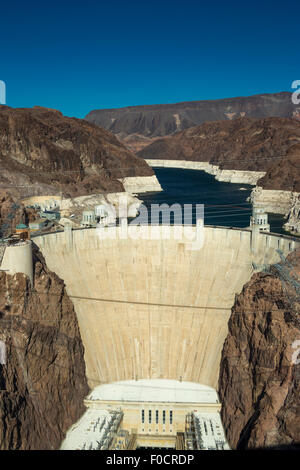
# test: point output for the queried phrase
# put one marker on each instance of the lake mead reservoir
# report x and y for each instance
(225, 204)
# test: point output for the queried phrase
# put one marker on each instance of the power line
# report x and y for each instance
(186, 212)
(120, 301)
(96, 380)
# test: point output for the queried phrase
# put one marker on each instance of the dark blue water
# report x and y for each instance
(225, 204)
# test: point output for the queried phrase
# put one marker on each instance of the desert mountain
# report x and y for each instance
(137, 126)
(42, 151)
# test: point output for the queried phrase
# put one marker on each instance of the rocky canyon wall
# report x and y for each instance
(259, 383)
(42, 370)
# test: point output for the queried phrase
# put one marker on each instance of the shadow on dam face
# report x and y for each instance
(154, 308)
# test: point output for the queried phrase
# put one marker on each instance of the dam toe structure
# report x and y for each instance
(139, 414)
(156, 309)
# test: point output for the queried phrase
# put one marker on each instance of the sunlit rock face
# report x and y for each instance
(293, 222)
(259, 382)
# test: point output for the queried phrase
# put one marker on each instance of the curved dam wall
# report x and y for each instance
(155, 308)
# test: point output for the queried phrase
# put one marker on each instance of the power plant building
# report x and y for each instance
(158, 413)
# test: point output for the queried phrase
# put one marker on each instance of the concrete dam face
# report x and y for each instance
(150, 309)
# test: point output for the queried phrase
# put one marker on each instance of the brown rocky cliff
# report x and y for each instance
(259, 382)
(269, 144)
(43, 152)
(286, 174)
(43, 383)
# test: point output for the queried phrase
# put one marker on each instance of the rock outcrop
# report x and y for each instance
(43, 152)
(293, 223)
(269, 145)
(12, 213)
(259, 383)
(42, 379)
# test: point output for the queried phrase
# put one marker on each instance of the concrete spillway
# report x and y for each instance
(164, 307)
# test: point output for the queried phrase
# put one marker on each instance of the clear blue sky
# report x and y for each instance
(76, 56)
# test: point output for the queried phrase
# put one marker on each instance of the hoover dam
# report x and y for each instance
(150, 309)
(153, 305)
